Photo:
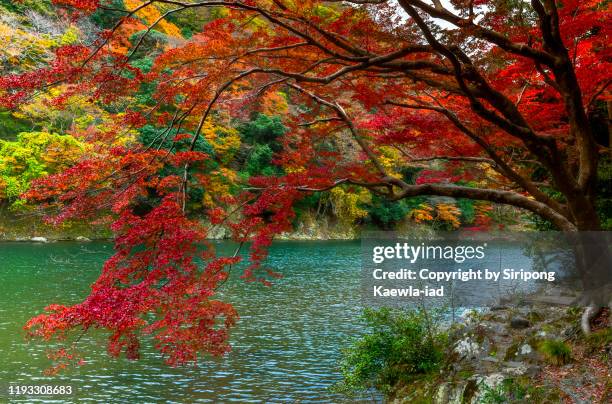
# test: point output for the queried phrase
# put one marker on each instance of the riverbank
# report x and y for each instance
(32, 228)
(524, 351)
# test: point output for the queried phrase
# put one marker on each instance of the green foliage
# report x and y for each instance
(410, 174)
(259, 161)
(603, 203)
(468, 213)
(308, 203)
(154, 40)
(600, 340)
(192, 20)
(263, 130)
(555, 352)
(41, 6)
(145, 94)
(107, 18)
(145, 64)
(11, 125)
(514, 391)
(399, 346)
(151, 136)
(33, 155)
(386, 214)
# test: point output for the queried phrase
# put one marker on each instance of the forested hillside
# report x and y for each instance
(49, 132)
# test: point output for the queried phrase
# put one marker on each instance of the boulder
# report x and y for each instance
(519, 322)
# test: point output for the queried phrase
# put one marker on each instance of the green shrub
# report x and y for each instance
(263, 130)
(516, 391)
(468, 213)
(555, 352)
(599, 340)
(400, 346)
(259, 162)
(385, 213)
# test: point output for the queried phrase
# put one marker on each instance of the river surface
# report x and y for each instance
(286, 345)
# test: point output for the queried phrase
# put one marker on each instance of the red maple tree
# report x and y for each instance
(487, 87)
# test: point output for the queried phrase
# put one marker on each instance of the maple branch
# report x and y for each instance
(547, 78)
(277, 48)
(523, 182)
(361, 2)
(498, 196)
(321, 120)
(304, 188)
(454, 191)
(149, 28)
(343, 115)
(596, 95)
(456, 158)
(511, 121)
(201, 124)
(369, 185)
(479, 31)
(491, 195)
(374, 61)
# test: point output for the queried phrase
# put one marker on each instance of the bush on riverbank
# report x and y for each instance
(555, 352)
(488, 360)
(400, 346)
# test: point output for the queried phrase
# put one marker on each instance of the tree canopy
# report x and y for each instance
(497, 101)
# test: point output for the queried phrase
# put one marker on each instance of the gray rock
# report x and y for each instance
(525, 349)
(39, 239)
(519, 322)
(467, 348)
(442, 394)
(82, 238)
(513, 368)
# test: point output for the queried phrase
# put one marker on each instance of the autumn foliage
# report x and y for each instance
(498, 103)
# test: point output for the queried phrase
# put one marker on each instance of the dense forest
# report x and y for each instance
(48, 133)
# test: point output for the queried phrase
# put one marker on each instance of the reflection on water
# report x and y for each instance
(285, 347)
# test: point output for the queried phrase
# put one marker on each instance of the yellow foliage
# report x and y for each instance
(443, 212)
(389, 158)
(33, 155)
(224, 141)
(23, 48)
(220, 183)
(447, 212)
(151, 14)
(78, 114)
(346, 204)
(275, 104)
(293, 169)
(422, 213)
(70, 37)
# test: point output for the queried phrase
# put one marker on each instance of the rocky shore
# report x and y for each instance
(526, 351)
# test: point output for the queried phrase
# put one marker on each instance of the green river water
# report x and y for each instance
(286, 345)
